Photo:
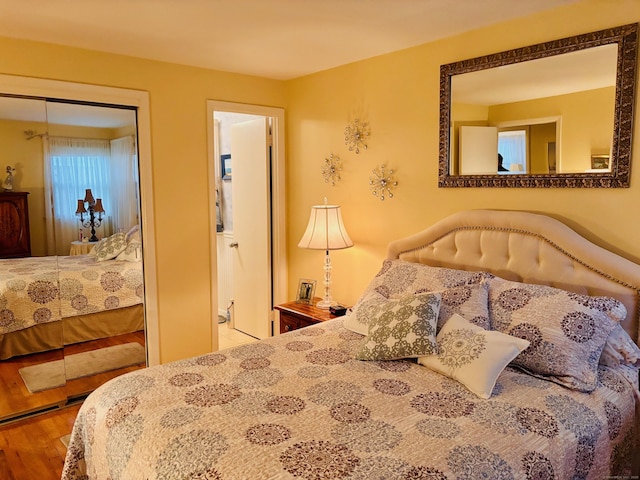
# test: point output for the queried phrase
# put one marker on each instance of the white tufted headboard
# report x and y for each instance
(526, 247)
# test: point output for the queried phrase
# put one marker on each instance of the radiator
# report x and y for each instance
(225, 271)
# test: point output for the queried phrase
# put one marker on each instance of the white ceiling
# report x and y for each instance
(279, 39)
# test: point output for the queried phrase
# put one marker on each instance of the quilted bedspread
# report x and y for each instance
(300, 406)
(36, 290)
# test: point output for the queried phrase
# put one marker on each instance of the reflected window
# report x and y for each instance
(512, 147)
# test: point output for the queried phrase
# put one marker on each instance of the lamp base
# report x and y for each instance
(326, 303)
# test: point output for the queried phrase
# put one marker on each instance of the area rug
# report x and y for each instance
(65, 440)
(54, 374)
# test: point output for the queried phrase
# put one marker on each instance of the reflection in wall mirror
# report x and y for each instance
(77, 315)
(557, 114)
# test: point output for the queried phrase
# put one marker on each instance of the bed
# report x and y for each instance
(48, 302)
(496, 345)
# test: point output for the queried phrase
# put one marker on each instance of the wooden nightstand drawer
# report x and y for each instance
(296, 315)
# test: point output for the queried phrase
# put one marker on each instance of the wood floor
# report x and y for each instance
(31, 449)
(15, 396)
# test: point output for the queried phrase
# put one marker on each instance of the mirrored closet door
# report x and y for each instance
(71, 308)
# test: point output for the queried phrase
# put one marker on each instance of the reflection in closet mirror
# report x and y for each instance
(569, 100)
(85, 298)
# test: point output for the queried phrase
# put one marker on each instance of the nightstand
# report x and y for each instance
(297, 315)
(81, 248)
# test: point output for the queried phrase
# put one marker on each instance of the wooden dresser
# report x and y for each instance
(14, 225)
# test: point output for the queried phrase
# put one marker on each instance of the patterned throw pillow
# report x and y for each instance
(471, 355)
(402, 328)
(110, 247)
(567, 331)
(397, 278)
(132, 252)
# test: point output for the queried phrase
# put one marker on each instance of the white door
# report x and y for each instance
(251, 226)
(478, 150)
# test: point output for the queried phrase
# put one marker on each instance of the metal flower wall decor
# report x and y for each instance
(355, 135)
(331, 169)
(382, 182)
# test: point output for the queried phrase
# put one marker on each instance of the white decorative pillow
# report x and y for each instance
(402, 328)
(132, 252)
(567, 331)
(110, 247)
(397, 278)
(471, 355)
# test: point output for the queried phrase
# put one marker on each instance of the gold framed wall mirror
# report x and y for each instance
(555, 114)
(56, 147)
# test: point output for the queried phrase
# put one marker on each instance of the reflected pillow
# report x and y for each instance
(398, 277)
(132, 252)
(110, 247)
(471, 355)
(402, 328)
(567, 331)
(133, 234)
(92, 252)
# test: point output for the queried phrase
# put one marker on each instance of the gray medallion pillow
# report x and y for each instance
(567, 331)
(397, 278)
(402, 328)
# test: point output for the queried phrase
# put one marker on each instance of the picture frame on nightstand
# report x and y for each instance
(306, 291)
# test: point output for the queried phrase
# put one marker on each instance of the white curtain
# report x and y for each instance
(124, 186)
(512, 145)
(74, 165)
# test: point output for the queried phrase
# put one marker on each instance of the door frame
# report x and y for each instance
(278, 206)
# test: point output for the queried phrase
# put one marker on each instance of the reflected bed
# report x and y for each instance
(48, 302)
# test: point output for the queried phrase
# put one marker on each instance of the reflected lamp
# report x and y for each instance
(94, 206)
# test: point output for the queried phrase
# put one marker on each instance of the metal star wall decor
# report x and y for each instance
(331, 169)
(355, 135)
(382, 182)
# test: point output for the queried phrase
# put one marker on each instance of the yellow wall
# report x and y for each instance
(178, 97)
(398, 95)
(541, 136)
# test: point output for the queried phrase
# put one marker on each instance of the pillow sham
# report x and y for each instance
(471, 355)
(469, 301)
(567, 331)
(110, 247)
(133, 234)
(620, 349)
(402, 328)
(398, 277)
(92, 252)
(132, 252)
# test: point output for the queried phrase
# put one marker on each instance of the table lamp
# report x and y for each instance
(326, 231)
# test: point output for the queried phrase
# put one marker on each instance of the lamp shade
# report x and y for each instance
(81, 208)
(88, 196)
(98, 208)
(325, 230)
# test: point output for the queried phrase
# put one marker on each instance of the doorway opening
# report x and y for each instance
(247, 205)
